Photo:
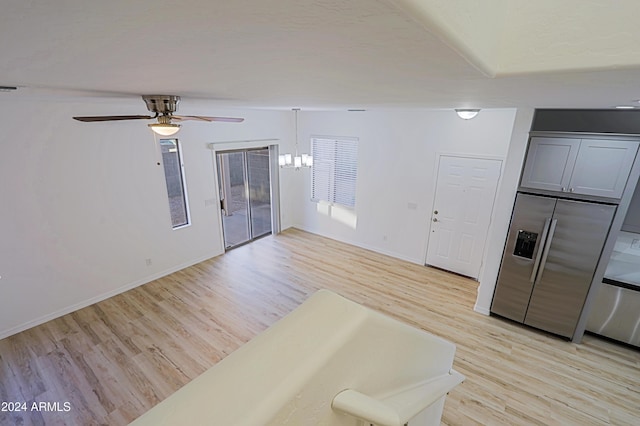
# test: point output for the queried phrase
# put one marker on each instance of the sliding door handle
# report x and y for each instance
(547, 246)
(543, 239)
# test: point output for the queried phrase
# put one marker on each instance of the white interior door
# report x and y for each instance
(465, 193)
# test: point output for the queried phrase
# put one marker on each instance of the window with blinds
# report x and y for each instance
(334, 171)
(174, 178)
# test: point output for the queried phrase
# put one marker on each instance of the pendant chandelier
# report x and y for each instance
(296, 160)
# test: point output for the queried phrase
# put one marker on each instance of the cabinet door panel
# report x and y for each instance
(602, 167)
(550, 162)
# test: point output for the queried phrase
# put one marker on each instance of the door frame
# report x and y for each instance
(274, 176)
(434, 188)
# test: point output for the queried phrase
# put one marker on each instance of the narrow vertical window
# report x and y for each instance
(174, 177)
(335, 169)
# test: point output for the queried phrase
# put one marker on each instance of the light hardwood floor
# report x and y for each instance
(116, 359)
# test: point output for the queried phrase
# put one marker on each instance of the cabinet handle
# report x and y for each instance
(570, 189)
(564, 189)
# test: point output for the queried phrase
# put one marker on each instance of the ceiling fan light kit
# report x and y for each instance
(163, 107)
(164, 129)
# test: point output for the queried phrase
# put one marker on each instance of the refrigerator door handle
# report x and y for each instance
(543, 240)
(547, 246)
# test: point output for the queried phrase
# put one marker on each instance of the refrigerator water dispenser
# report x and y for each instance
(525, 244)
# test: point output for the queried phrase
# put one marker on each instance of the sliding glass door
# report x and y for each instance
(259, 191)
(245, 193)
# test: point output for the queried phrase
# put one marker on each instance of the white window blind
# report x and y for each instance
(174, 178)
(334, 171)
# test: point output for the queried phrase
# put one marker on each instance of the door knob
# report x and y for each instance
(435, 212)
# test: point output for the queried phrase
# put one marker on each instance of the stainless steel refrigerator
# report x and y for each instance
(552, 251)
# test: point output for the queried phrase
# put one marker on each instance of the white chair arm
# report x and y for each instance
(399, 408)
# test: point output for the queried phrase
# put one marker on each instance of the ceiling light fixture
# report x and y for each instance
(467, 114)
(167, 129)
(297, 160)
(164, 127)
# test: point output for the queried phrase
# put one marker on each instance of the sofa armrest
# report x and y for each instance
(400, 407)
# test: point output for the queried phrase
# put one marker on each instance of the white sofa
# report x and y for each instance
(329, 362)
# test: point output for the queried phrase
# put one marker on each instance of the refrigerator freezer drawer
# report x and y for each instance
(616, 314)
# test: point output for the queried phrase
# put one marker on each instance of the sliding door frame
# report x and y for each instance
(274, 186)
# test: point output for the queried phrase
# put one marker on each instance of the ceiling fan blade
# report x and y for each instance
(113, 118)
(205, 118)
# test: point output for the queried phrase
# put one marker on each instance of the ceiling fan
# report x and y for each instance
(163, 108)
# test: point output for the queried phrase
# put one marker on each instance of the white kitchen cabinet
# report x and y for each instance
(602, 167)
(549, 163)
(598, 167)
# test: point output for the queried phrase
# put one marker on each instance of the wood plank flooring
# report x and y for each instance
(114, 360)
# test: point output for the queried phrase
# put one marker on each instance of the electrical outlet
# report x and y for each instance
(148, 262)
(635, 244)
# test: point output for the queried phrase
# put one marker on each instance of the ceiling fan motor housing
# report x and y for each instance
(162, 104)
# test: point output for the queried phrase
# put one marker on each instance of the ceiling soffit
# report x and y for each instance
(511, 37)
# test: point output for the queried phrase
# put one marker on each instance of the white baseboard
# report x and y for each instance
(482, 310)
(364, 246)
(88, 302)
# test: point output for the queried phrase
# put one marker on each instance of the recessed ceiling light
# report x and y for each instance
(624, 107)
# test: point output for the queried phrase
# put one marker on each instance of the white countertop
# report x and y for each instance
(624, 265)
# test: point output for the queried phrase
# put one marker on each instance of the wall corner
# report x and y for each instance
(504, 206)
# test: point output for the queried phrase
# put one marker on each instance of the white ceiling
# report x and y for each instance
(327, 53)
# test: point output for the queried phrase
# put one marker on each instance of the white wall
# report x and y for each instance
(396, 172)
(503, 208)
(83, 205)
